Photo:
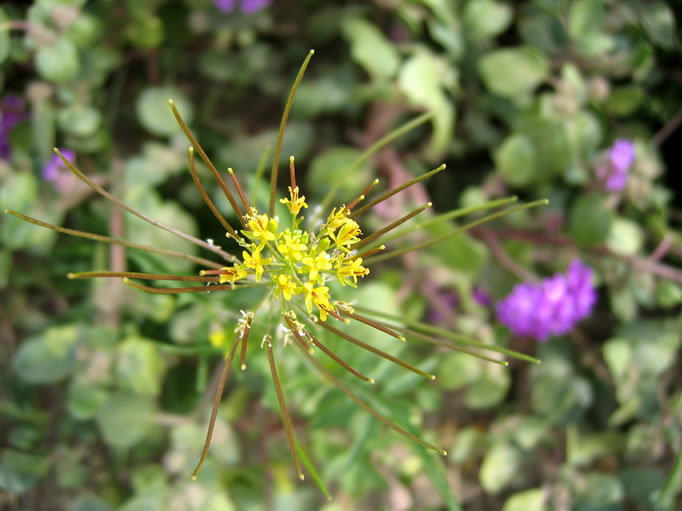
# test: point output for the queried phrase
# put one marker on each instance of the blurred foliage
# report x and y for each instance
(104, 390)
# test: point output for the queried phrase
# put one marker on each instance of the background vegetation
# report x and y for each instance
(104, 390)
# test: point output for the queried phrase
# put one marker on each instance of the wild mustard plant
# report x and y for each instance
(294, 263)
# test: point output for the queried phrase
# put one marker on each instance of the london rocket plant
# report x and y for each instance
(296, 263)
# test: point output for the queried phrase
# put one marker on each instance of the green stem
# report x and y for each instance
(374, 148)
(280, 134)
(107, 239)
(488, 218)
(457, 338)
(450, 215)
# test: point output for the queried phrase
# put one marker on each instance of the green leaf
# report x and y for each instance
(124, 420)
(154, 113)
(618, 357)
(484, 19)
(59, 62)
(500, 464)
(658, 21)
(84, 399)
(515, 159)
(668, 294)
(528, 500)
(468, 442)
(598, 492)
(370, 48)
(584, 18)
(139, 367)
(422, 79)
(462, 251)
(589, 221)
(513, 72)
(4, 36)
(90, 503)
(80, 120)
(457, 370)
(488, 390)
(49, 357)
(331, 167)
(146, 30)
(623, 101)
(625, 237)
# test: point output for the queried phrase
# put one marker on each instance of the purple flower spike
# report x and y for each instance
(11, 113)
(551, 307)
(57, 173)
(251, 6)
(225, 5)
(620, 158)
(245, 6)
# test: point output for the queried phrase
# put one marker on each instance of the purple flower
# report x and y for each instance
(245, 6)
(57, 173)
(481, 297)
(550, 307)
(447, 300)
(621, 155)
(11, 113)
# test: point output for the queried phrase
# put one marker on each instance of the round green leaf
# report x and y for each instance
(585, 17)
(485, 18)
(58, 62)
(370, 48)
(589, 221)
(80, 120)
(154, 113)
(124, 420)
(625, 237)
(332, 167)
(515, 159)
(529, 500)
(512, 72)
(4, 37)
(47, 358)
(139, 367)
(457, 369)
(499, 466)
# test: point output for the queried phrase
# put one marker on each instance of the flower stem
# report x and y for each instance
(216, 403)
(285, 414)
(398, 189)
(207, 200)
(138, 214)
(195, 289)
(280, 134)
(374, 148)
(450, 215)
(488, 218)
(457, 338)
(206, 160)
(376, 351)
(391, 226)
(137, 275)
(368, 408)
(107, 239)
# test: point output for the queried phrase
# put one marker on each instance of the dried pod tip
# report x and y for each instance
(171, 102)
(243, 367)
(70, 276)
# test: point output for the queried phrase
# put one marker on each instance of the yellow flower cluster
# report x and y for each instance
(296, 262)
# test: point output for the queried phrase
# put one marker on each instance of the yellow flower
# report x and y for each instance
(292, 246)
(313, 265)
(347, 235)
(337, 218)
(255, 262)
(347, 269)
(285, 286)
(262, 228)
(294, 203)
(232, 274)
(317, 296)
(217, 338)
